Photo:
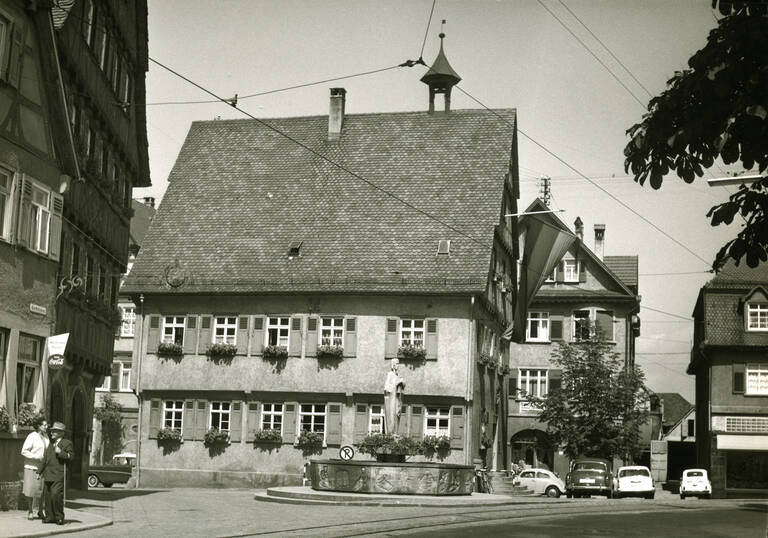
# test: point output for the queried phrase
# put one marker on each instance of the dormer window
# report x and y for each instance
(294, 249)
(444, 247)
(757, 316)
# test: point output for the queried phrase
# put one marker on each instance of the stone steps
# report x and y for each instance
(503, 484)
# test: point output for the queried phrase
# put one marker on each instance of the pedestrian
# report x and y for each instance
(33, 451)
(58, 453)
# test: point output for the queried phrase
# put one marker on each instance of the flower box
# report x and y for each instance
(221, 351)
(215, 436)
(170, 349)
(435, 443)
(267, 436)
(309, 440)
(412, 353)
(169, 435)
(330, 352)
(378, 444)
(27, 414)
(275, 352)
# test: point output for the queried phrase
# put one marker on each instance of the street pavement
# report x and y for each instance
(235, 512)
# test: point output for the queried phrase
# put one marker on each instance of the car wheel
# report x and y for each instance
(93, 480)
(708, 496)
(682, 496)
(568, 494)
(650, 495)
(552, 491)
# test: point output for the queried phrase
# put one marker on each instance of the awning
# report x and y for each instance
(742, 442)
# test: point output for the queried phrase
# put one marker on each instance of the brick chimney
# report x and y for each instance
(599, 240)
(579, 227)
(336, 113)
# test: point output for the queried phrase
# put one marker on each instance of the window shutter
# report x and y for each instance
(560, 275)
(739, 380)
(350, 337)
(554, 379)
(312, 337)
(294, 338)
(25, 214)
(555, 328)
(333, 427)
(114, 380)
(190, 335)
(289, 422)
(16, 55)
(361, 422)
(252, 422)
(513, 383)
(188, 420)
(236, 422)
(242, 335)
(604, 323)
(204, 337)
(153, 338)
(457, 427)
(154, 418)
(257, 338)
(201, 419)
(54, 234)
(391, 341)
(431, 341)
(417, 422)
(582, 271)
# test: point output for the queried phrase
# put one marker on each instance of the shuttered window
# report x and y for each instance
(376, 419)
(277, 331)
(225, 329)
(173, 414)
(272, 416)
(332, 332)
(437, 421)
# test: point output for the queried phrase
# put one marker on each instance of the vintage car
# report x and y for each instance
(634, 480)
(117, 471)
(541, 481)
(589, 476)
(695, 483)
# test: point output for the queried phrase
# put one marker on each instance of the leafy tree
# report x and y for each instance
(110, 416)
(600, 405)
(718, 107)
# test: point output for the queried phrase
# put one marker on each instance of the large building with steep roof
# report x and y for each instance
(728, 358)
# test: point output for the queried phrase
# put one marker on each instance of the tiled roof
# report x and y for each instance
(240, 193)
(741, 276)
(675, 407)
(575, 293)
(142, 217)
(624, 267)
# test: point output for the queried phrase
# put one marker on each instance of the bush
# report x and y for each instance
(275, 352)
(27, 414)
(5, 420)
(170, 349)
(169, 435)
(330, 352)
(222, 351)
(267, 436)
(412, 353)
(380, 443)
(435, 443)
(216, 436)
(309, 440)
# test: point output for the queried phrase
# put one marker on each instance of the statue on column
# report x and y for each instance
(394, 387)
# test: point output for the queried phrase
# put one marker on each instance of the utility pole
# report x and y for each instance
(544, 189)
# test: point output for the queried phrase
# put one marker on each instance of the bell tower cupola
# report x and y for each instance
(440, 78)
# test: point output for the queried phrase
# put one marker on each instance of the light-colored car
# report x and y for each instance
(540, 481)
(118, 471)
(634, 480)
(695, 483)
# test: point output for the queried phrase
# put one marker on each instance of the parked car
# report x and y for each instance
(117, 471)
(589, 476)
(634, 480)
(695, 483)
(541, 481)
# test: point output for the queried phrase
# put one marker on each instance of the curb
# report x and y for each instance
(65, 529)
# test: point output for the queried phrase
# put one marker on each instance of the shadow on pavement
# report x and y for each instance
(108, 494)
(755, 507)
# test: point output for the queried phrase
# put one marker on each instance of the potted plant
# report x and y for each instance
(412, 353)
(168, 435)
(221, 351)
(275, 353)
(215, 436)
(267, 436)
(27, 414)
(330, 352)
(308, 440)
(388, 447)
(5, 420)
(170, 349)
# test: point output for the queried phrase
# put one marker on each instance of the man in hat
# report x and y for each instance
(56, 456)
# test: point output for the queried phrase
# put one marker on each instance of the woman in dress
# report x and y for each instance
(33, 450)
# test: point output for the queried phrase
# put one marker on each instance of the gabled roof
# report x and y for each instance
(624, 267)
(675, 407)
(142, 218)
(240, 194)
(742, 276)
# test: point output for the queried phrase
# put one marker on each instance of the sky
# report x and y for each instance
(510, 54)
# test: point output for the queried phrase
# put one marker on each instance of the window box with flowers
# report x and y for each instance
(308, 440)
(215, 436)
(27, 415)
(330, 352)
(435, 443)
(267, 436)
(170, 349)
(412, 353)
(221, 351)
(169, 435)
(275, 353)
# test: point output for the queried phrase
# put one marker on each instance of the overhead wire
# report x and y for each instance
(426, 31)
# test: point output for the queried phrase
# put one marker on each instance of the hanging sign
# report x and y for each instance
(56, 346)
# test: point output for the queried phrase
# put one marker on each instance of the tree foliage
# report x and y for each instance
(600, 405)
(717, 108)
(110, 416)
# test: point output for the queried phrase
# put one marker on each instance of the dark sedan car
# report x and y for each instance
(589, 476)
(118, 471)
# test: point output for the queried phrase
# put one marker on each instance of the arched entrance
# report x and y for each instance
(534, 447)
(79, 439)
